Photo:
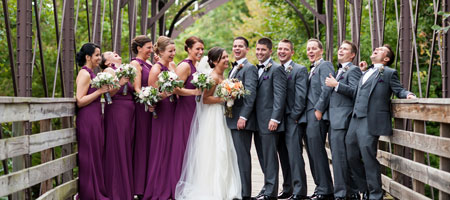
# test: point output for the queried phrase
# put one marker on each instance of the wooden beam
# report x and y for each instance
(400, 191)
(63, 191)
(155, 18)
(425, 112)
(444, 163)
(319, 16)
(419, 156)
(46, 155)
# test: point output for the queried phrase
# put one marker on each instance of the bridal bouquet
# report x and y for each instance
(104, 78)
(168, 81)
(231, 89)
(127, 71)
(202, 81)
(149, 96)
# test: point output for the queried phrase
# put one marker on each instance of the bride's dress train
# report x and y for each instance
(210, 168)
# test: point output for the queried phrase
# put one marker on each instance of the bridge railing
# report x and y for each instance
(23, 114)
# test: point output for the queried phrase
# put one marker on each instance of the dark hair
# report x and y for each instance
(103, 62)
(289, 42)
(161, 44)
(265, 41)
(189, 43)
(319, 43)
(354, 48)
(215, 55)
(242, 38)
(86, 50)
(390, 55)
(139, 41)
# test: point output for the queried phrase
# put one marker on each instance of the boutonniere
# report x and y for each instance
(265, 77)
(267, 67)
(342, 77)
(289, 77)
(380, 80)
(240, 66)
(380, 71)
(289, 69)
(345, 68)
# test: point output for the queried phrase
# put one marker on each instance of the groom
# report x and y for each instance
(243, 122)
(270, 105)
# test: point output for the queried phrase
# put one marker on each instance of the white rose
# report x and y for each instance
(146, 93)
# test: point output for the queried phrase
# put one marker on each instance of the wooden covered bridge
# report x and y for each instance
(37, 135)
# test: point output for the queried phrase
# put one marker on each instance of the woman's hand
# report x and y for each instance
(123, 81)
(104, 89)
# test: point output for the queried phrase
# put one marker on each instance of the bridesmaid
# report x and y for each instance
(185, 107)
(119, 129)
(143, 48)
(90, 134)
(158, 182)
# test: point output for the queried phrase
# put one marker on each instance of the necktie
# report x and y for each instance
(311, 66)
(339, 66)
(234, 63)
(260, 66)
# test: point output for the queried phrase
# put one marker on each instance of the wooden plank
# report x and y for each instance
(63, 191)
(428, 143)
(31, 176)
(48, 111)
(46, 155)
(8, 100)
(29, 144)
(419, 156)
(399, 191)
(18, 162)
(67, 149)
(444, 101)
(444, 163)
(14, 112)
(50, 139)
(426, 174)
(425, 112)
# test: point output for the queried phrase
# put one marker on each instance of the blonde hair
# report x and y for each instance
(161, 44)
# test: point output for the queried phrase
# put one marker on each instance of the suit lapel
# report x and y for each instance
(231, 71)
(374, 81)
(266, 70)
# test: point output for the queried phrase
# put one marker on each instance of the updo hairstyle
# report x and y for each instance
(215, 55)
(86, 50)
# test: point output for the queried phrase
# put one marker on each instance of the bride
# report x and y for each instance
(210, 170)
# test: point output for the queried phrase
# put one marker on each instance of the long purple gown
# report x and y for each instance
(142, 136)
(90, 136)
(158, 184)
(182, 124)
(119, 134)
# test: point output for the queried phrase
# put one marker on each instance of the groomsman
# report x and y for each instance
(371, 118)
(290, 142)
(270, 105)
(243, 122)
(316, 116)
(341, 107)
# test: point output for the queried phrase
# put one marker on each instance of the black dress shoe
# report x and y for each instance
(323, 197)
(260, 194)
(265, 197)
(365, 196)
(354, 196)
(284, 195)
(298, 197)
(339, 198)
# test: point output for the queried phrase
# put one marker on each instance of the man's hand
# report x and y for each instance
(331, 81)
(241, 124)
(272, 126)
(363, 66)
(318, 115)
(411, 96)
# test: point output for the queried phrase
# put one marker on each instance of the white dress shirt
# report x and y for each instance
(317, 62)
(340, 71)
(286, 64)
(261, 70)
(370, 72)
(235, 68)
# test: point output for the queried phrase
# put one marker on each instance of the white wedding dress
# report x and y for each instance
(210, 169)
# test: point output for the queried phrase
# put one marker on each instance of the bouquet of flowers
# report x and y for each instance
(104, 78)
(231, 89)
(168, 81)
(202, 81)
(149, 96)
(127, 71)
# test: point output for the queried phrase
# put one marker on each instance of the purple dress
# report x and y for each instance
(119, 134)
(91, 139)
(142, 136)
(182, 125)
(158, 183)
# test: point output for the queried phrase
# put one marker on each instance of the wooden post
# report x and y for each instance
(398, 150)
(444, 163)
(67, 149)
(46, 155)
(419, 156)
(18, 163)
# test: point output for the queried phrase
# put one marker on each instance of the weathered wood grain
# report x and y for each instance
(13, 112)
(399, 191)
(31, 176)
(425, 112)
(63, 191)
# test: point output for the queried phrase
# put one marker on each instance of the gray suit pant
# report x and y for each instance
(362, 157)
(290, 150)
(269, 142)
(342, 184)
(242, 140)
(316, 133)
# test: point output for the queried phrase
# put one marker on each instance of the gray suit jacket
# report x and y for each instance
(248, 74)
(341, 104)
(379, 108)
(318, 93)
(271, 97)
(297, 88)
